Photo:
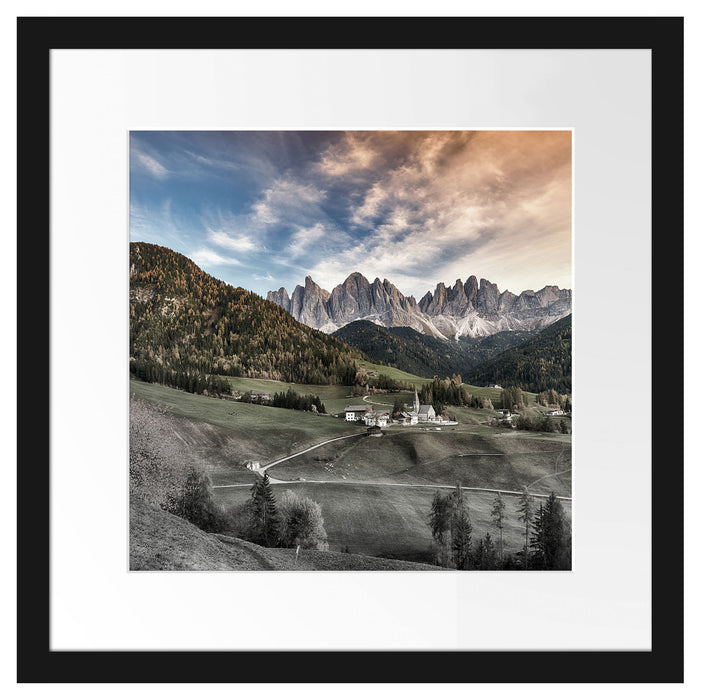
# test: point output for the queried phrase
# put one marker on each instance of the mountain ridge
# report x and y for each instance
(472, 308)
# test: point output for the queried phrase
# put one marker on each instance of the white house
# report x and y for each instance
(353, 413)
(379, 418)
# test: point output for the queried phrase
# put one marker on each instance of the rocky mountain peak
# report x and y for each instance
(467, 308)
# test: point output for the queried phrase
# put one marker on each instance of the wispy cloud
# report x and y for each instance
(288, 200)
(207, 256)
(240, 243)
(151, 165)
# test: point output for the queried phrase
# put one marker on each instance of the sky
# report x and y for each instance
(262, 210)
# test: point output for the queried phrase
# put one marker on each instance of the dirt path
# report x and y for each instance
(242, 544)
(378, 403)
(384, 483)
(302, 452)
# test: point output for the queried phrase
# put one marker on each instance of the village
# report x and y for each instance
(420, 413)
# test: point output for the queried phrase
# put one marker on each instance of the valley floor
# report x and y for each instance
(375, 493)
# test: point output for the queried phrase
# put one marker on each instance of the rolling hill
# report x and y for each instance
(543, 362)
(185, 324)
(425, 355)
(160, 541)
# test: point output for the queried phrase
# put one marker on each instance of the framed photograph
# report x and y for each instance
(354, 349)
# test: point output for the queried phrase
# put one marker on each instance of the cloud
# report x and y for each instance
(150, 164)
(463, 196)
(303, 238)
(206, 256)
(287, 200)
(411, 206)
(240, 243)
(353, 152)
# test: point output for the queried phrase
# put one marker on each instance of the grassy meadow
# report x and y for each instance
(389, 521)
(226, 434)
(419, 456)
(371, 518)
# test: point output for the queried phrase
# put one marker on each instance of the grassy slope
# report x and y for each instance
(478, 458)
(229, 433)
(389, 521)
(160, 541)
(336, 397)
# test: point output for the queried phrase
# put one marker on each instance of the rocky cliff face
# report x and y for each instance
(468, 308)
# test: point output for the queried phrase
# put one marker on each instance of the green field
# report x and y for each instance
(226, 434)
(417, 382)
(420, 456)
(389, 521)
(336, 397)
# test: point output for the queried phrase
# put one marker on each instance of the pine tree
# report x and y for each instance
(460, 529)
(525, 515)
(440, 523)
(497, 515)
(265, 518)
(485, 554)
(549, 539)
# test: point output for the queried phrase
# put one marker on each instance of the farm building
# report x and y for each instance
(380, 418)
(353, 413)
(408, 418)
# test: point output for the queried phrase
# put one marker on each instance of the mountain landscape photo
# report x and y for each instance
(308, 388)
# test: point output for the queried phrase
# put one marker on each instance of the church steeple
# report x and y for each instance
(416, 403)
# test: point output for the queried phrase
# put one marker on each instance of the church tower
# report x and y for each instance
(416, 403)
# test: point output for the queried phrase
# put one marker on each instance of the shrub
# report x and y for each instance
(301, 522)
(194, 502)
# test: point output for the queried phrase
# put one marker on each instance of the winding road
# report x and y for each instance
(393, 484)
(302, 452)
(379, 483)
(378, 403)
(502, 492)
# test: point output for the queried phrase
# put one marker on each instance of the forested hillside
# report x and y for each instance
(185, 323)
(543, 362)
(425, 355)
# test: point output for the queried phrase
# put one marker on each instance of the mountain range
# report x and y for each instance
(470, 308)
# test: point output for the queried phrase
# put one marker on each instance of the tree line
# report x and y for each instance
(364, 384)
(441, 393)
(191, 381)
(288, 399)
(546, 530)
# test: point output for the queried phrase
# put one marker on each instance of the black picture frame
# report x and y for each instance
(36, 38)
